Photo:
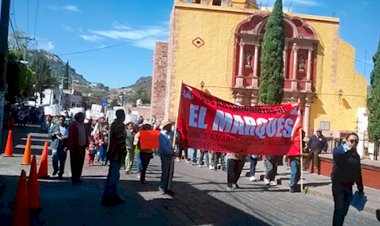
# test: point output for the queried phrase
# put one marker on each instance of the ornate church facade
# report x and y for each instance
(216, 46)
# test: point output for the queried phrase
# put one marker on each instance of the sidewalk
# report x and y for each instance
(319, 185)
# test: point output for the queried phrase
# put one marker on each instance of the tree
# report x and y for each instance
(44, 79)
(271, 89)
(65, 84)
(374, 100)
(114, 103)
(19, 78)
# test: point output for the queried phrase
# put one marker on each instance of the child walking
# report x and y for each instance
(91, 151)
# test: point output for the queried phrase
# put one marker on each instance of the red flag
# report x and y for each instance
(209, 123)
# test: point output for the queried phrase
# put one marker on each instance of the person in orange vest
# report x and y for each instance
(145, 154)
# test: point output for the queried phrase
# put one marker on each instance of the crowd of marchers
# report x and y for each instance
(118, 146)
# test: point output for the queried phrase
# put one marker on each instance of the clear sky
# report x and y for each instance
(112, 41)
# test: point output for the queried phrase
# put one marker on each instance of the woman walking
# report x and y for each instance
(346, 171)
(145, 154)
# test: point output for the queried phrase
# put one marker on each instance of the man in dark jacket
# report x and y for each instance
(316, 144)
(115, 152)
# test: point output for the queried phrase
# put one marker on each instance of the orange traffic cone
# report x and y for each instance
(27, 153)
(43, 170)
(33, 188)
(20, 211)
(9, 146)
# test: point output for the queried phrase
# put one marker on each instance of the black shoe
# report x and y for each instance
(55, 172)
(111, 202)
(118, 201)
(170, 192)
(106, 202)
(378, 214)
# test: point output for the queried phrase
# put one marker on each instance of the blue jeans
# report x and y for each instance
(59, 160)
(102, 153)
(166, 164)
(295, 172)
(252, 166)
(110, 189)
(138, 162)
(194, 156)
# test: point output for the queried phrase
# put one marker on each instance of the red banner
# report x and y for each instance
(208, 123)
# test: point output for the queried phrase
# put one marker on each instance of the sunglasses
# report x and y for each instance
(353, 141)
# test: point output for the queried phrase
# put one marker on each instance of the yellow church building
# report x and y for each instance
(215, 45)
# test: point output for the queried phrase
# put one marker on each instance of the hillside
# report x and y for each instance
(76, 80)
(140, 90)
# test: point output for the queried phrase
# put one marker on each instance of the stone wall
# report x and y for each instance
(144, 111)
(159, 80)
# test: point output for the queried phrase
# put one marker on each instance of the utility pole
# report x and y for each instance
(25, 45)
(4, 26)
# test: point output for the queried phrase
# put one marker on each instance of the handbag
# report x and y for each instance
(358, 201)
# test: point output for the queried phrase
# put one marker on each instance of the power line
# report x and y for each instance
(35, 21)
(350, 57)
(94, 50)
(110, 46)
(27, 15)
(14, 14)
(14, 34)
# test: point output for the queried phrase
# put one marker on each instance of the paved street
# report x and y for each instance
(200, 197)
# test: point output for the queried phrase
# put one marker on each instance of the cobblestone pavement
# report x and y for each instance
(200, 198)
